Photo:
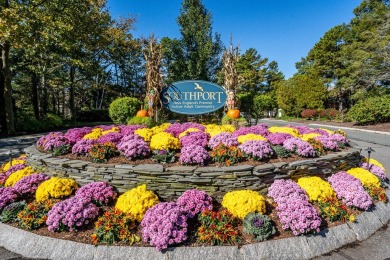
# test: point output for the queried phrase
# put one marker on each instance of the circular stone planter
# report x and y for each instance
(301, 247)
(171, 182)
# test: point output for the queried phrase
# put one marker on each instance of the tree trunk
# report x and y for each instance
(35, 96)
(44, 94)
(9, 113)
(71, 95)
(3, 125)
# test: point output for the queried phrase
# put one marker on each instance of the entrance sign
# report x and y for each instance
(193, 97)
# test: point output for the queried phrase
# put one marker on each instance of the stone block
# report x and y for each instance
(366, 224)
(238, 168)
(264, 168)
(148, 168)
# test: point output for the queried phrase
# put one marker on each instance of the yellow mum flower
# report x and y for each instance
(137, 201)
(7, 165)
(189, 130)
(112, 130)
(160, 128)
(164, 141)
(145, 133)
(250, 137)
(213, 129)
(306, 137)
(316, 188)
(94, 135)
(55, 188)
(18, 175)
(242, 202)
(327, 130)
(287, 130)
(365, 176)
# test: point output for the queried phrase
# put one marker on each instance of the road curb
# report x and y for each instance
(331, 126)
(32, 245)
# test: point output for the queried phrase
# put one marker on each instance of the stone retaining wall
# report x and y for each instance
(171, 182)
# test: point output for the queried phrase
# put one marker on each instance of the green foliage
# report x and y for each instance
(61, 150)
(196, 54)
(261, 104)
(121, 109)
(241, 121)
(371, 110)
(245, 101)
(300, 92)
(251, 68)
(164, 156)
(259, 226)
(280, 151)
(53, 121)
(10, 212)
(141, 121)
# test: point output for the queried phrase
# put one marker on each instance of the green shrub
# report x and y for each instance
(141, 121)
(26, 122)
(52, 121)
(371, 110)
(280, 151)
(241, 121)
(121, 109)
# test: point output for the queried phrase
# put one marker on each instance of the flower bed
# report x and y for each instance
(243, 216)
(258, 143)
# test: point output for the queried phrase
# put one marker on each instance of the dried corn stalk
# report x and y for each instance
(152, 51)
(230, 59)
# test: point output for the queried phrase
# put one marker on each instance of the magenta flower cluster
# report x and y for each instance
(350, 190)
(29, 184)
(194, 201)
(76, 134)
(113, 137)
(294, 210)
(129, 129)
(259, 129)
(377, 171)
(83, 146)
(300, 147)
(339, 138)
(176, 129)
(278, 138)
(193, 154)
(132, 146)
(307, 130)
(99, 193)
(257, 149)
(195, 138)
(71, 214)
(163, 225)
(7, 196)
(328, 142)
(223, 138)
(52, 140)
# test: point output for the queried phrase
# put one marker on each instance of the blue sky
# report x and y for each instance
(281, 30)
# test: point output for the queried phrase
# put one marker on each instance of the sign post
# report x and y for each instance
(193, 97)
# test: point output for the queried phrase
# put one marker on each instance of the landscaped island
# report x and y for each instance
(205, 205)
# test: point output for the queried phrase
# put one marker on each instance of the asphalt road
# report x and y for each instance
(375, 248)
